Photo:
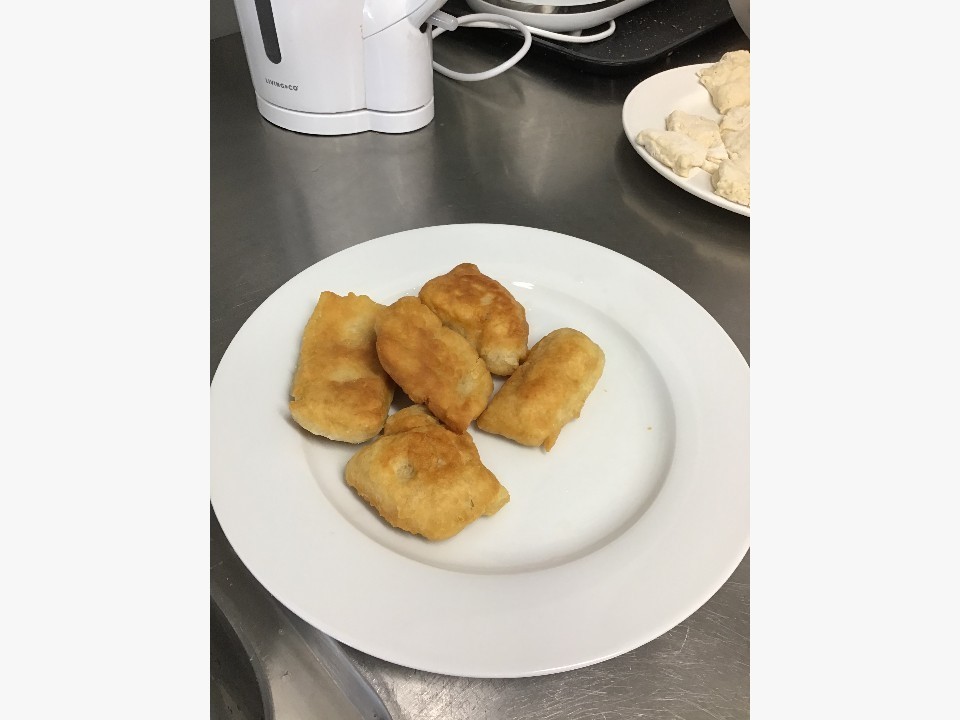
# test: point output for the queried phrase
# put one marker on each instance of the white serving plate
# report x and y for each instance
(648, 105)
(634, 519)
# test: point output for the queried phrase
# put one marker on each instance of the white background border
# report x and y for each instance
(853, 345)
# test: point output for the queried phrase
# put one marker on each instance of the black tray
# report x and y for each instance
(642, 36)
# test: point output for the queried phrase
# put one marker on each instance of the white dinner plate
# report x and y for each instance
(628, 525)
(648, 105)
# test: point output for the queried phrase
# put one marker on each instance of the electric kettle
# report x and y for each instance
(335, 67)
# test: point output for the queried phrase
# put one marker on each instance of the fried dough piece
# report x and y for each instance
(432, 364)
(340, 390)
(423, 478)
(484, 312)
(548, 391)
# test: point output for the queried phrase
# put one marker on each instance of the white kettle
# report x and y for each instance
(334, 67)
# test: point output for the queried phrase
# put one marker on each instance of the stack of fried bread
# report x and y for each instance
(424, 474)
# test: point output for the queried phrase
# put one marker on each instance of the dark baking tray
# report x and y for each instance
(642, 36)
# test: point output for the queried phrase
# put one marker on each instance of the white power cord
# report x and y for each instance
(443, 22)
(483, 20)
(581, 39)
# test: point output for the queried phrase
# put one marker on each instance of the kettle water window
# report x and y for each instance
(268, 30)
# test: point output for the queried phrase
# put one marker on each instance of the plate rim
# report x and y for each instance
(439, 664)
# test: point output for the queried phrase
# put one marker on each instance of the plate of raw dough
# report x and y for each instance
(649, 105)
(633, 519)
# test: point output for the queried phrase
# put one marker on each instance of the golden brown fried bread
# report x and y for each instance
(484, 312)
(339, 390)
(547, 391)
(423, 478)
(433, 365)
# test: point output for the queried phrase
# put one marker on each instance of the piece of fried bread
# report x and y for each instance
(423, 478)
(484, 312)
(432, 364)
(340, 391)
(547, 391)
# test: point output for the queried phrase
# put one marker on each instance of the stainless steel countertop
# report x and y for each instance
(540, 146)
